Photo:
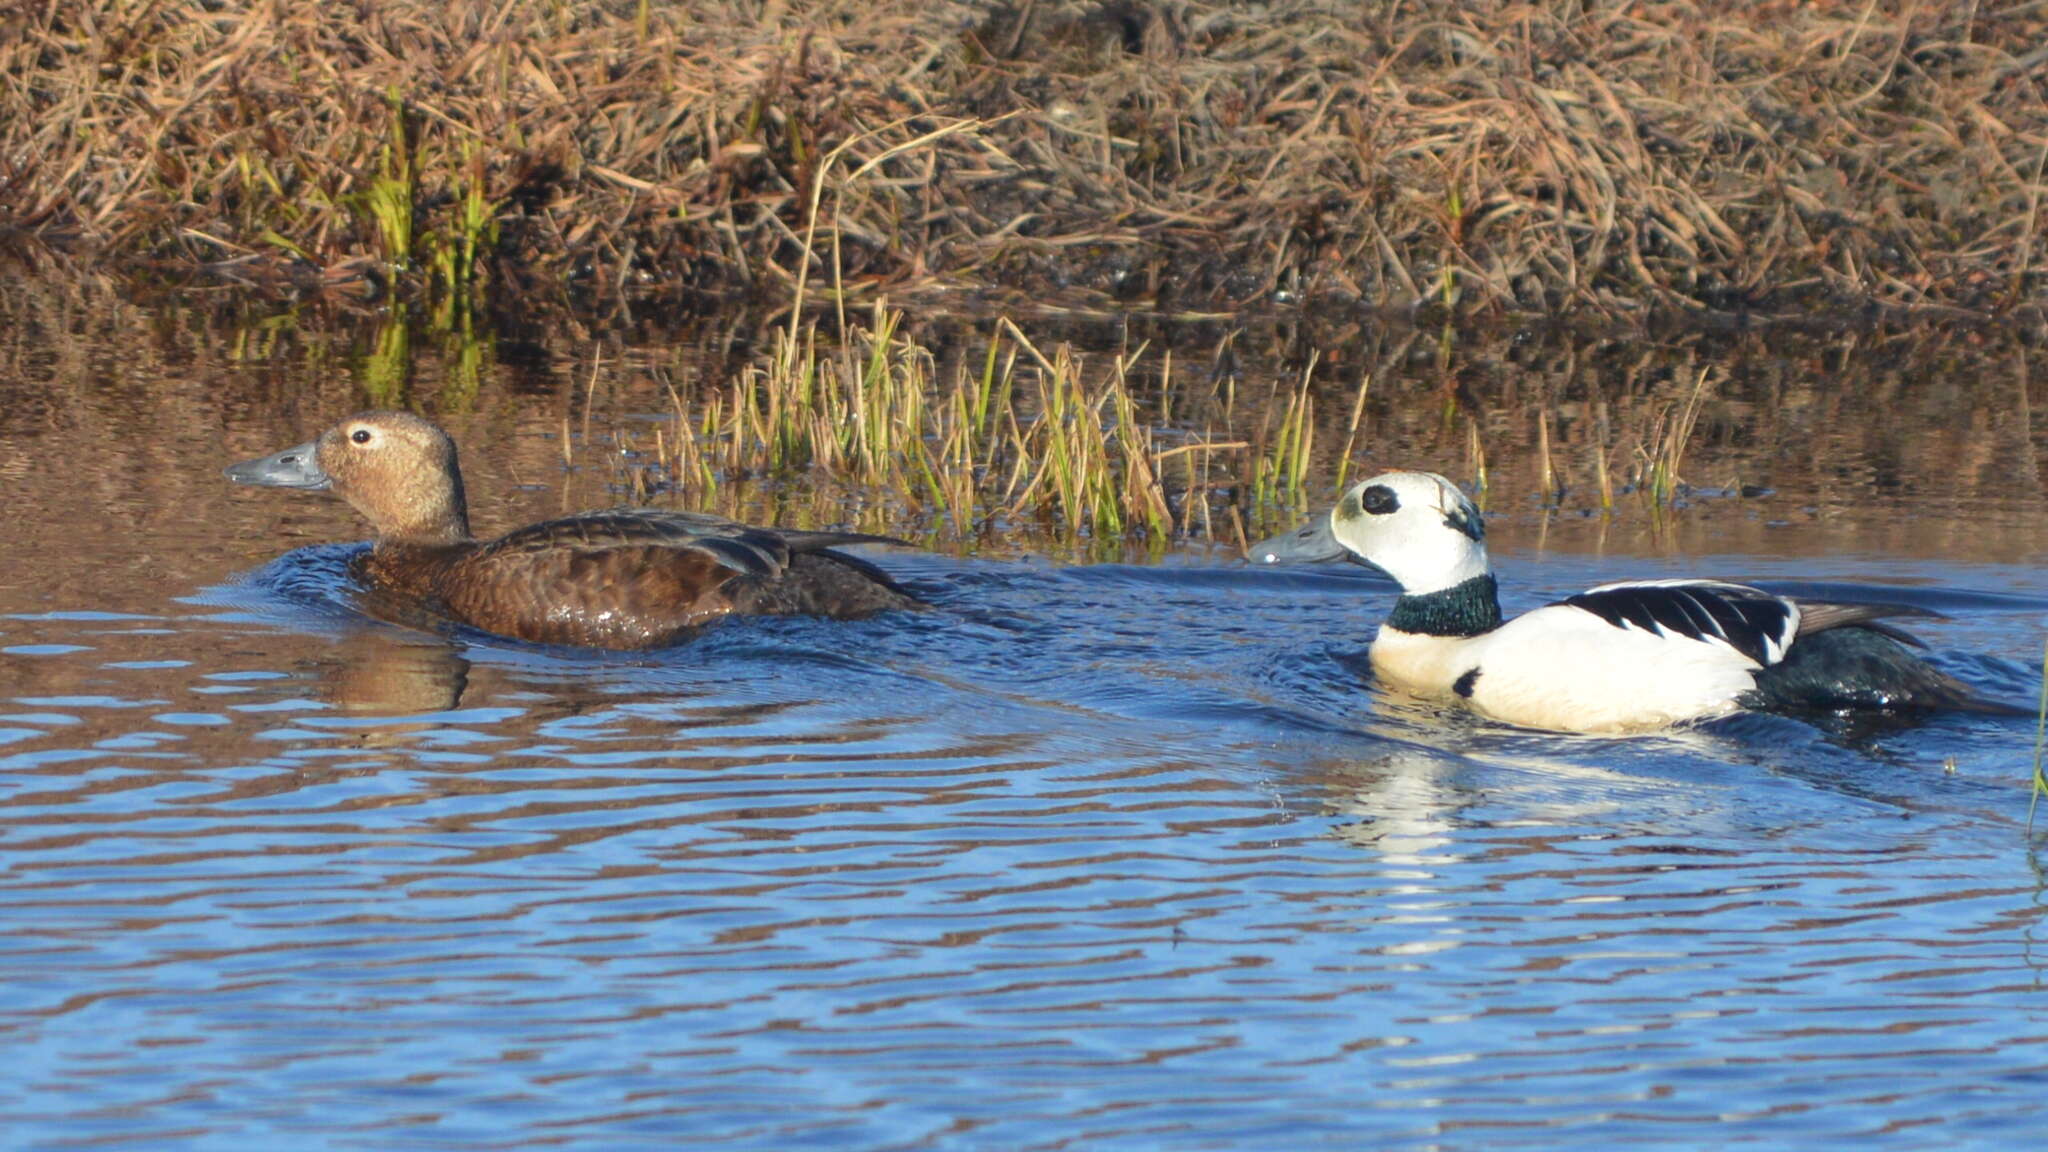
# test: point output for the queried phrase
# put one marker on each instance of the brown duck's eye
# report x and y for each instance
(360, 435)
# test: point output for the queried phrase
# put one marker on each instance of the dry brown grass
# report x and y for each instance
(1547, 155)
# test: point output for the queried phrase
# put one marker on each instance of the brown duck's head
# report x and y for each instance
(396, 469)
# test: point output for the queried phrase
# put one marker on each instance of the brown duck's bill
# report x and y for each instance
(292, 468)
(1312, 543)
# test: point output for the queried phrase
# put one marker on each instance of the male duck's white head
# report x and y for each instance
(1416, 527)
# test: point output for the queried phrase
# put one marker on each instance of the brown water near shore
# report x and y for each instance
(1124, 852)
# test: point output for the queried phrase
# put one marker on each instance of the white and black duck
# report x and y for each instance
(1622, 657)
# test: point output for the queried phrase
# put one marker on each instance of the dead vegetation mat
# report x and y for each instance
(1185, 155)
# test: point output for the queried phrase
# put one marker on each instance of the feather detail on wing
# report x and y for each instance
(745, 550)
(1753, 622)
(1821, 615)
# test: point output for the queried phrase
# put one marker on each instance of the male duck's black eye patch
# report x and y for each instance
(1379, 500)
(360, 435)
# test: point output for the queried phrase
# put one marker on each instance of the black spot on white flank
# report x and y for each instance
(1751, 621)
(1465, 685)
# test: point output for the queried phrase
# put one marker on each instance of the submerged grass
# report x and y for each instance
(1104, 450)
(1660, 458)
(1178, 154)
(2039, 785)
(1014, 436)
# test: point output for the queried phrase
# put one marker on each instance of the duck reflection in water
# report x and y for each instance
(375, 672)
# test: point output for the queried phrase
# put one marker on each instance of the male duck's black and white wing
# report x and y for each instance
(1758, 625)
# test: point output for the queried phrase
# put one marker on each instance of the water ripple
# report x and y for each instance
(982, 878)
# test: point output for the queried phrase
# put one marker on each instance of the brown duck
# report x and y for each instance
(622, 578)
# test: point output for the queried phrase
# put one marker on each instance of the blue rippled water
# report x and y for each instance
(1104, 856)
(1115, 856)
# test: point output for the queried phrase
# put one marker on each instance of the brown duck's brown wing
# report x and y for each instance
(822, 583)
(705, 525)
(641, 578)
(810, 578)
(608, 596)
(747, 549)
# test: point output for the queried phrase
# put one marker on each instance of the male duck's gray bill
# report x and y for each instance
(292, 468)
(1312, 543)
